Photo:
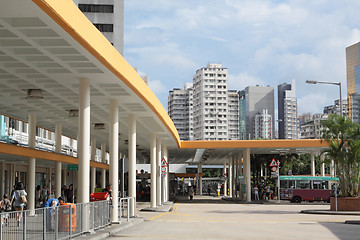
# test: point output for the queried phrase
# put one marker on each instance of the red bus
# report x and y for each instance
(306, 188)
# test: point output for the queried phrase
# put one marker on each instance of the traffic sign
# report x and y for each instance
(164, 167)
(273, 169)
(273, 163)
(73, 167)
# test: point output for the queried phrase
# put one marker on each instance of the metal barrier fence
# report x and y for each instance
(60, 222)
(124, 209)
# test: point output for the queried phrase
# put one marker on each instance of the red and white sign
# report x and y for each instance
(274, 163)
(164, 166)
(273, 169)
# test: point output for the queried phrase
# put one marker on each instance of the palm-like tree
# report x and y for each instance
(343, 137)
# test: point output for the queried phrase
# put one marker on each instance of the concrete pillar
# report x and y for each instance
(114, 158)
(247, 174)
(2, 179)
(322, 158)
(92, 169)
(103, 171)
(163, 176)
(153, 171)
(50, 181)
(158, 172)
(167, 175)
(230, 179)
(332, 168)
(64, 176)
(132, 163)
(200, 178)
(225, 182)
(32, 164)
(58, 133)
(312, 156)
(83, 150)
(233, 167)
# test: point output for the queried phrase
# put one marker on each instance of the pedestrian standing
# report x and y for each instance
(256, 192)
(5, 207)
(191, 193)
(45, 193)
(38, 200)
(19, 200)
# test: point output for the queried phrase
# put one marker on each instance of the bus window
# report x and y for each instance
(284, 184)
(325, 185)
(292, 184)
(303, 185)
(317, 185)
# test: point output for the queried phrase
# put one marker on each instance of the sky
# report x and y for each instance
(264, 42)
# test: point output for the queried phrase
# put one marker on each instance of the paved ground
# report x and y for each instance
(211, 218)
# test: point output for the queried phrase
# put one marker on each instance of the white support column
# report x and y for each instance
(158, 172)
(2, 180)
(103, 171)
(92, 169)
(83, 150)
(230, 179)
(58, 133)
(247, 174)
(225, 182)
(312, 156)
(64, 176)
(322, 158)
(132, 163)
(163, 176)
(153, 171)
(233, 166)
(167, 175)
(50, 181)
(32, 164)
(200, 178)
(114, 159)
(332, 168)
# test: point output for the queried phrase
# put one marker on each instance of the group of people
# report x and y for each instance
(16, 202)
(264, 193)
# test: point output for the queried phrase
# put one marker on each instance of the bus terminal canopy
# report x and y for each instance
(50, 45)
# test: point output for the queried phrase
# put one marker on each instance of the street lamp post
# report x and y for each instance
(341, 114)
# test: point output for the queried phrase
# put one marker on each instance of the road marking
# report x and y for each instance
(165, 213)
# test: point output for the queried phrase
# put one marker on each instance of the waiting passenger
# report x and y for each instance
(5, 207)
(19, 200)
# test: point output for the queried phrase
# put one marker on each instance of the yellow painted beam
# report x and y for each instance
(296, 143)
(40, 154)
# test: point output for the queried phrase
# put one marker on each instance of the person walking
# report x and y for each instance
(19, 200)
(256, 192)
(70, 194)
(38, 196)
(5, 207)
(45, 193)
(191, 193)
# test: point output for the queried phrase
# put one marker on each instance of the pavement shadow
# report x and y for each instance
(343, 231)
(202, 200)
(270, 212)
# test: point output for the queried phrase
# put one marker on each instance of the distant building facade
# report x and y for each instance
(287, 111)
(336, 109)
(180, 106)
(353, 81)
(263, 125)
(311, 125)
(256, 98)
(108, 17)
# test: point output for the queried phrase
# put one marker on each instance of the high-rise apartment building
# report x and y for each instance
(242, 115)
(287, 111)
(311, 125)
(233, 115)
(180, 110)
(108, 17)
(336, 109)
(211, 103)
(353, 80)
(263, 125)
(255, 99)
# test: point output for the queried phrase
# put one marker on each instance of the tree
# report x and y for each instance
(343, 137)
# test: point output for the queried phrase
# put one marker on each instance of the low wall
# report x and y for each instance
(345, 204)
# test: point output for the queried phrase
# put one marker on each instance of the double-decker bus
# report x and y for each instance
(306, 188)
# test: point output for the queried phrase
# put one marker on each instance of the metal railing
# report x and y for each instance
(124, 208)
(61, 222)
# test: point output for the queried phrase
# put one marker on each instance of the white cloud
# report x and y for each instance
(241, 80)
(313, 103)
(157, 87)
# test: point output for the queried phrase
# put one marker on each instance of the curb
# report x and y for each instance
(327, 212)
(111, 230)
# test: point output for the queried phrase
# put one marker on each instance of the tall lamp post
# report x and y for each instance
(341, 114)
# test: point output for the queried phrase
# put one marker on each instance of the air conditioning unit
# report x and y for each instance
(34, 94)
